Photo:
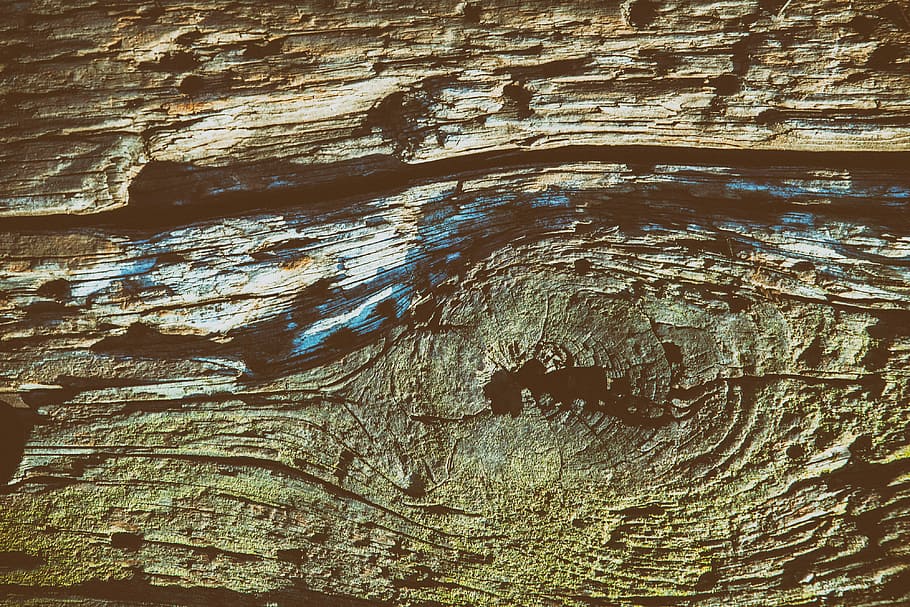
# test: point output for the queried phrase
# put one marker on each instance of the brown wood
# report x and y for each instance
(475, 304)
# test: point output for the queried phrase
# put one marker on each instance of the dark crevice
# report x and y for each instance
(642, 13)
(58, 289)
(125, 540)
(16, 560)
(295, 556)
(192, 85)
(548, 69)
(188, 38)
(517, 100)
(771, 7)
(168, 194)
(885, 56)
(139, 589)
(472, 12)
(403, 118)
(862, 25)
(582, 267)
(897, 15)
(769, 117)
(725, 84)
(796, 452)
(564, 387)
(141, 340)
(267, 49)
(178, 61)
(637, 512)
(13, 433)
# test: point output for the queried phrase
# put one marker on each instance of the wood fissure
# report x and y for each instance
(169, 194)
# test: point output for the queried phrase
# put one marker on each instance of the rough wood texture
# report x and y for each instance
(268, 277)
(92, 92)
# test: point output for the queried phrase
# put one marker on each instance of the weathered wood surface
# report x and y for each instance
(92, 92)
(267, 272)
(294, 400)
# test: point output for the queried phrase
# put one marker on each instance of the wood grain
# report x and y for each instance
(95, 91)
(269, 275)
(277, 404)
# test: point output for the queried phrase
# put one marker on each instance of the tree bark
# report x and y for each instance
(275, 281)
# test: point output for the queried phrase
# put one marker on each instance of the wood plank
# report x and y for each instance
(93, 92)
(293, 405)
